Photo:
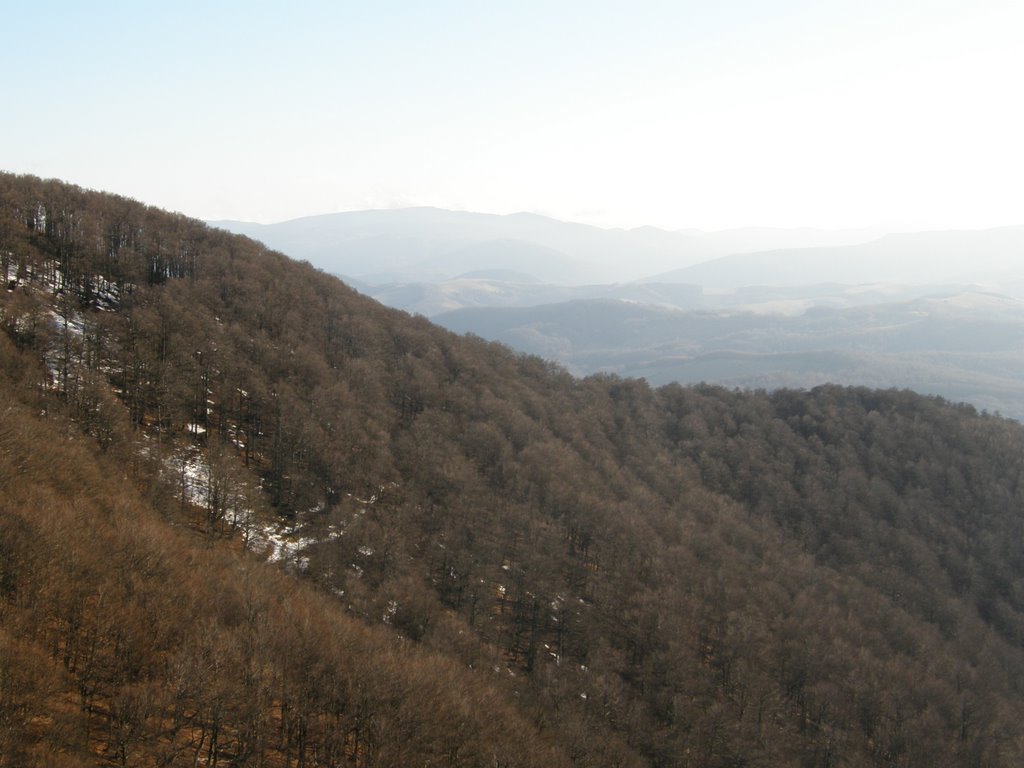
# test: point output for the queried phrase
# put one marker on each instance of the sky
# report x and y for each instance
(893, 114)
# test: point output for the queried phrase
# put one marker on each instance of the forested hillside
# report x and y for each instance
(250, 517)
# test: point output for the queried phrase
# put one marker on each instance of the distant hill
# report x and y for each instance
(431, 299)
(433, 245)
(502, 290)
(966, 346)
(991, 257)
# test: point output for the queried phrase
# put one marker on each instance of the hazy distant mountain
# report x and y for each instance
(747, 239)
(489, 290)
(433, 245)
(430, 299)
(992, 257)
(749, 307)
(965, 346)
(398, 249)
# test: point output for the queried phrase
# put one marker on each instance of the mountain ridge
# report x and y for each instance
(943, 256)
(487, 561)
(345, 243)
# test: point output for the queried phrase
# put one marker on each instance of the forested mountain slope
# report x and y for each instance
(485, 561)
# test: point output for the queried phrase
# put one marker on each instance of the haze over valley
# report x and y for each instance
(937, 312)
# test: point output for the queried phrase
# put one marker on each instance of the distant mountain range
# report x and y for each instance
(434, 245)
(992, 257)
(400, 256)
(432, 299)
(932, 311)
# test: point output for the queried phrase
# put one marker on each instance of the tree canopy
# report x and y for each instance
(251, 517)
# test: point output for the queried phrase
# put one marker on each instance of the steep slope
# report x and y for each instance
(126, 639)
(613, 575)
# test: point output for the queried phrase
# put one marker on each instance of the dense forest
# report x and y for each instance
(249, 517)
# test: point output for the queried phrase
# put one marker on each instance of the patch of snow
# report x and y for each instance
(71, 321)
(282, 544)
(194, 475)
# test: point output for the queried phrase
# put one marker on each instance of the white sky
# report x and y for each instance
(870, 113)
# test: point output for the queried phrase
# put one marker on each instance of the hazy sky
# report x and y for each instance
(831, 113)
